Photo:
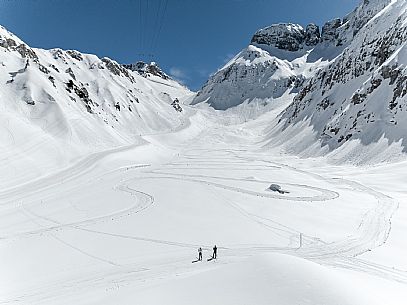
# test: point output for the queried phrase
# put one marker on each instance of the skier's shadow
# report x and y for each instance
(210, 259)
(195, 261)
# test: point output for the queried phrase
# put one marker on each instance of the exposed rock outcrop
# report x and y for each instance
(366, 86)
(285, 36)
(330, 30)
(312, 35)
(146, 70)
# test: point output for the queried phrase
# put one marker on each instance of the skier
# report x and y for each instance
(215, 252)
(199, 254)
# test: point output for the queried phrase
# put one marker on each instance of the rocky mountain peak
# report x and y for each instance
(330, 30)
(147, 69)
(5, 35)
(361, 95)
(287, 36)
(10, 42)
(312, 34)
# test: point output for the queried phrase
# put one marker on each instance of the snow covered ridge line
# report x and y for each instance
(73, 104)
(146, 70)
(287, 36)
(336, 32)
(281, 56)
(72, 61)
(347, 83)
(362, 94)
(11, 42)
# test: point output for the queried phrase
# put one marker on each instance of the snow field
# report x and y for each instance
(124, 226)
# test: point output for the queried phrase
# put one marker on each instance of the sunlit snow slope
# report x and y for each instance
(108, 187)
(345, 84)
(59, 105)
(124, 227)
(359, 99)
(281, 57)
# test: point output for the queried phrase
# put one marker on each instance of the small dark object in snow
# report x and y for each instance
(277, 188)
(215, 252)
(176, 105)
(199, 254)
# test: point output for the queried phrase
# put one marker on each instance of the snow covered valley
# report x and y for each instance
(123, 226)
(113, 176)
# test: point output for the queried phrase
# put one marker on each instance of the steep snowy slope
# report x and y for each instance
(275, 62)
(57, 105)
(361, 95)
(108, 186)
(280, 57)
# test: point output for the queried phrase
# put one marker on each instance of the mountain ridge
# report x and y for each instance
(309, 48)
(348, 87)
(75, 103)
(361, 95)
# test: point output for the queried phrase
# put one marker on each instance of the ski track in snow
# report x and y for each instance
(372, 232)
(72, 173)
(143, 201)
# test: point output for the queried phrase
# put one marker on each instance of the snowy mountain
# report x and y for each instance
(345, 81)
(280, 57)
(275, 61)
(361, 94)
(57, 105)
(110, 182)
(147, 70)
(278, 60)
(253, 73)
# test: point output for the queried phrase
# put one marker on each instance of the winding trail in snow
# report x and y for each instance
(372, 232)
(72, 173)
(142, 201)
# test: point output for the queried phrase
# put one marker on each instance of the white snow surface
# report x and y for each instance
(124, 225)
(43, 126)
(257, 73)
(107, 206)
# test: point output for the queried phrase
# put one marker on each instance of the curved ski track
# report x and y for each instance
(372, 232)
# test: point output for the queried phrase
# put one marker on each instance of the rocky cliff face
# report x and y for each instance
(340, 32)
(146, 70)
(312, 35)
(336, 32)
(281, 56)
(362, 94)
(276, 62)
(348, 81)
(330, 31)
(287, 36)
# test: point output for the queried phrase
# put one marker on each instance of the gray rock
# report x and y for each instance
(288, 36)
(26, 52)
(329, 30)
(7, 42)
(312, 35)
(145, 69)
(117, 69)
(284, 36)
(75, 55)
